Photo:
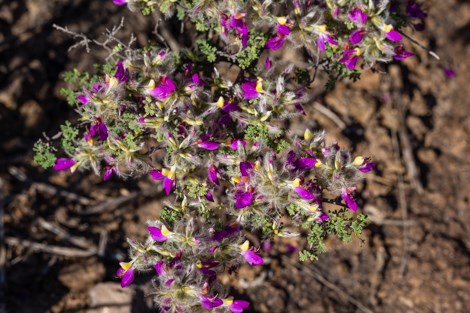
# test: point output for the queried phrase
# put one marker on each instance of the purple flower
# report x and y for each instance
(164, 90)
(160, 268)
(251, 257)
(120, 2)
(323, 217)
(356, 36)
(350, 58)
(212, 171)
(208, 145)
(249, 90)
(392, 34)
(268, 63)
(228, 231)
(63, 164)
(237, 306)
(283, 30)
(449, 72)
(83, 99)
(158, 234)
(275, 43)
(349, 199)
(234, 144)
(210, 303)
(108, 172)
(209, 196)
(126, 273)
(168, 177)
(121, 74)
(243, 199)
(245, 167)
(303, 163)
(304, 194)
(415, 11)
(100, 128)
(367, 167)
(357, 16)
(401, 54)
(322, 39)
(236, 22)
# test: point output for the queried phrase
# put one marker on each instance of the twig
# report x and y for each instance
(318, 276)
(2, 250)
(47, 188)
(57, 250)
(161, 31)
(432, 53)
(85, 41)
(63, 234)
(116, 202)
(330, 114)
(403, 206)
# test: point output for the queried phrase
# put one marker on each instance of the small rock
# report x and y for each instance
(110, 297)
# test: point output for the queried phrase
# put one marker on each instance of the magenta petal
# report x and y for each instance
(303, 163)
(234, 144)
(283, 30)
(102, 131)
(209, 196)
(356, 36)
(367, 167)
(212, 174)
(268, 63)
(157, 175)
(63, 164)
(349, 199)
(393, 35)
(156, 234)
(244, 199)
(127, 278)
(249, 90)
(239, 305)
(245, 167)
(304, 194)
(321, 43)
(120, 2)
(83, 99)
(210, 303)
(209, 145)
(275, 43)
(107, 174)
(252, 258)
(160, 267)
(167, 185)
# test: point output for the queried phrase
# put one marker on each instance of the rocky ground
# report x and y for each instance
(410, 118)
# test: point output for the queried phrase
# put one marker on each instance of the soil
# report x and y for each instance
(409, 117)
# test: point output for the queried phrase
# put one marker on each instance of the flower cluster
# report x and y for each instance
(217, 145)
(348, 31)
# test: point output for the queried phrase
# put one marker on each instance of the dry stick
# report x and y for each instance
(330, 114)
(2, 250)
(412, 168)
(432, 53)
(47, 188)
(114, 203)
(63, 234)
(57, 250)
(318, 276)
(168, 37)
(403, 206)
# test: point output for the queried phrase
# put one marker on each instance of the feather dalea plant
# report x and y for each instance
(228, 164)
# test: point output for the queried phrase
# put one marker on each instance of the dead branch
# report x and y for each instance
(57, 250)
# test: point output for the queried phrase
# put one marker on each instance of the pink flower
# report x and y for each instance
(168, 177)
(251, 257)
(159, 234)
(63, 164)
(211, 302)
(349, 199)
(120, 2)
(357, 16)
(126, 273)
(164, 90)
(237, 306)
(208, 145)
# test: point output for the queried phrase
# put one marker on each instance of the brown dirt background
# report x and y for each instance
(410, 118)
